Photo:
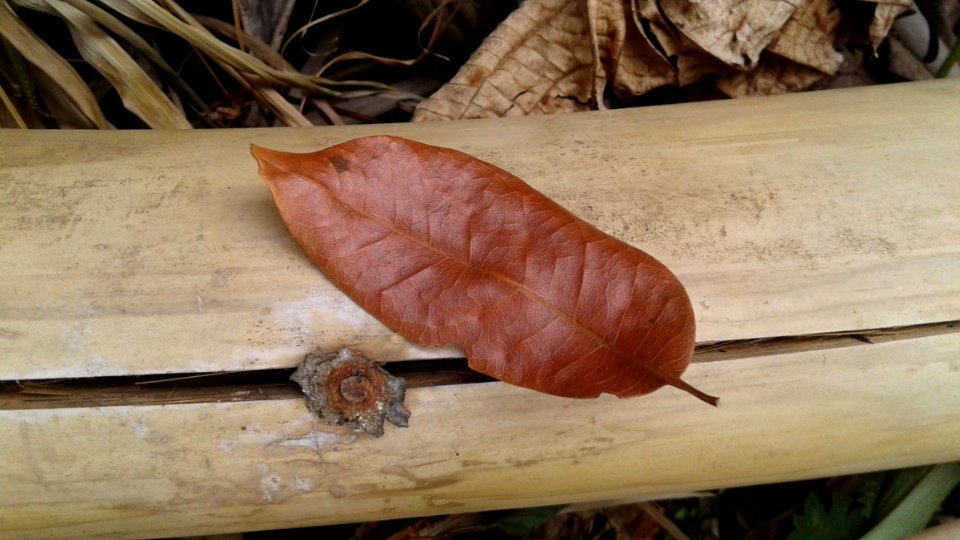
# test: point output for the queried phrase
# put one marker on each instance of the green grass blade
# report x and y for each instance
(916, 509)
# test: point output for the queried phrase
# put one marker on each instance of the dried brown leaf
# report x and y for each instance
(734, 31)
(445, 248)
(808, 36)
(692, 62)
(798, 57)
(883, 17)
(640, 67)
(655, 29)
(773, 75)
(552, 56)
(539, 60)
(805, 40)
(607, 24)
(637, 45)
(621, 55)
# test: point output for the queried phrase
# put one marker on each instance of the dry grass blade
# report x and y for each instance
(303, 29)
(113, 24)
(11, 109)
(285, 111)
(288, 114)
(253, 44)
(224, 54)
(124, 8)
(328, 111)
(139, 93)
(47, 60)
(658, 516)
(57, 104)
(237, 25)
(424, 52)
(244, 63)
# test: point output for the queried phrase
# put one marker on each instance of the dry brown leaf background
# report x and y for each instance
(539, 60)
(886, 12)
(562, 55)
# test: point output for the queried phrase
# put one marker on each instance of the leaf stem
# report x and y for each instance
(697, 393)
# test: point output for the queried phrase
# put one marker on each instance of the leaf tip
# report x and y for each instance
(266, 161)
(258, 152)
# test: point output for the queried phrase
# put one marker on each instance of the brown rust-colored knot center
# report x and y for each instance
(356, 389)
(347, 389)
(355, 385)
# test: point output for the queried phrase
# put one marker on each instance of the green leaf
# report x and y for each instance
(840, 522)
(521, 523)
(916, 509)
(868, 492)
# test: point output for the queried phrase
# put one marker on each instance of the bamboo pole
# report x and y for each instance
(161, 252)
(192, 469)
(153, 252)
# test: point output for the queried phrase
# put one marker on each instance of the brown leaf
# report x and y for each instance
(621, 56)
(773, 75)
(607, 33)
(734, 31)
(883, 16)
(552, 56)
(634, 46)
(807, 37)
(798, 57)
(539, 60)
(445, 248)
(692, 62)
(639, 67)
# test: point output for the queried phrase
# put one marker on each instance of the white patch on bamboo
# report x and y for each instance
(141, 430)
(303, 484)
(269, 482)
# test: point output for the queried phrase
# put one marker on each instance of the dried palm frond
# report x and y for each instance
(45, 59)
(11, 109)
(103, 33)
(139, 93)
